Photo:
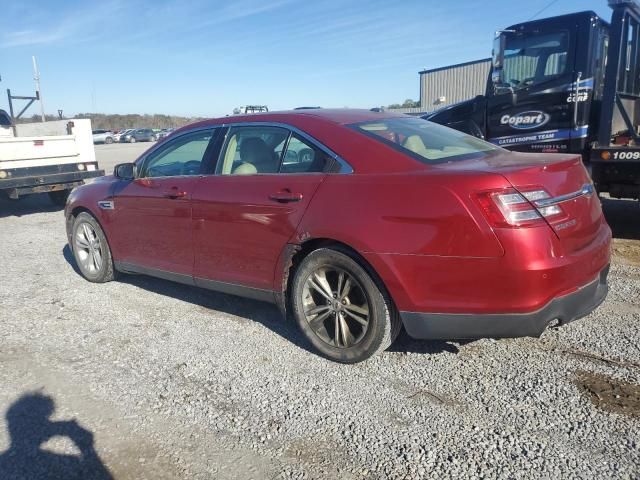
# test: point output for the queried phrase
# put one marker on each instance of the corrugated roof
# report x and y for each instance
(448, 67)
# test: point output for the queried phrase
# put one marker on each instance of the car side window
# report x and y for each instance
(251, 150)
(301, 156)
(181, 156)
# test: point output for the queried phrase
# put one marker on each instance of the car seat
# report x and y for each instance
(254, 152)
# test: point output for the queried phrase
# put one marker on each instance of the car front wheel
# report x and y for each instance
(91, 249)
(339, 307)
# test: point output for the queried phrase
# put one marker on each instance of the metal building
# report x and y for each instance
(448, 85)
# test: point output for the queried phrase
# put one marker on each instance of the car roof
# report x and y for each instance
(340, 116)
(343, 116)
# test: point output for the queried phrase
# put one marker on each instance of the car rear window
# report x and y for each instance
(426, 141)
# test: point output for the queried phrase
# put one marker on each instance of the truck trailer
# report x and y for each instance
(566, 84)
(52, 157)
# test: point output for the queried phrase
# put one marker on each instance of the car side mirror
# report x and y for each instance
(125, 171)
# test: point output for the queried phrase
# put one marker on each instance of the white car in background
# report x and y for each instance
(102, 136)
(117, 136)
(165, 132)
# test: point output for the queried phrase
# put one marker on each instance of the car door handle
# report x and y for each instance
(286, 196)
(174, 193)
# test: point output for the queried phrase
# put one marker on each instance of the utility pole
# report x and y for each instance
(36, 77)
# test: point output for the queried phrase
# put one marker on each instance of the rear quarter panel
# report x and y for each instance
(418, 214)
(404, 225)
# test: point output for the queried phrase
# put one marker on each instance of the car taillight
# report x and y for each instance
(540, 194)
(512, 208)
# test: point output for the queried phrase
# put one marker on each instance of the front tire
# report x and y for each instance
(132, 140)
(339, 307)
(108, 140)
(91, 249)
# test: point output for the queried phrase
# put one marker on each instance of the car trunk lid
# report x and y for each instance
(563, 177)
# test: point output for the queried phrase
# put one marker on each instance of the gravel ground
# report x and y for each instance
(156, 380)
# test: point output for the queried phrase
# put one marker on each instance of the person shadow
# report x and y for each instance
(29, 426)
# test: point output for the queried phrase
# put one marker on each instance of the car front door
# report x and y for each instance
(247, 212)
(153, 211)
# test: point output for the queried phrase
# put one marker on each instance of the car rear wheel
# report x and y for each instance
(339, 307)
(91, 249)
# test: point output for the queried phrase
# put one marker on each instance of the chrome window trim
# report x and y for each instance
(143, 158)
(345, 168)
(285, 147)
(587, 189)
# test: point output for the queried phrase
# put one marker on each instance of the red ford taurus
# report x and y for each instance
(358, 223)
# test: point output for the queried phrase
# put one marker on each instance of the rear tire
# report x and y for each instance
(59, 197)
(340, 308)
(91, 249)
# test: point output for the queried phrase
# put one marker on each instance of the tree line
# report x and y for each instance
(408, 103)
(116, 121)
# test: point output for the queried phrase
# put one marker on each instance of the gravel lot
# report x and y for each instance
(108, 156)
(177, 382)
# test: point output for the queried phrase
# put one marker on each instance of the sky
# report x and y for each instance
(205, 57)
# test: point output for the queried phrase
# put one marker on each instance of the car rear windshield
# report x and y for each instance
(426, 141)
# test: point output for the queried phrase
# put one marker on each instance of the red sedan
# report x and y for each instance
(358, 223)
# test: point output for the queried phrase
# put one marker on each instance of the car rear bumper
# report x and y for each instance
(565, 309)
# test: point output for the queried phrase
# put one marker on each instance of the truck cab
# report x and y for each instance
(5, 125)
(567, 84)
(545, 87)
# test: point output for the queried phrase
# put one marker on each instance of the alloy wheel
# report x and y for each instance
(336, 306)
(88, 248)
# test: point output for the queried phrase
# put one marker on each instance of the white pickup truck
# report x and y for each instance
(52, 157)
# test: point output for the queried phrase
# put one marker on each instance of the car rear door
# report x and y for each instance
(247, 212)
(152, 221)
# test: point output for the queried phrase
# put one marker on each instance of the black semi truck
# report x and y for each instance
(567, 84)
